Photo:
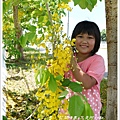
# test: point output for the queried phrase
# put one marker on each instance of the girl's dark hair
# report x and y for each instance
(90, 28)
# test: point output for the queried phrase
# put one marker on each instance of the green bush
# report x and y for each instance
(103, 93)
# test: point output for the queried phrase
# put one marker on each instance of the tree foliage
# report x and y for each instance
(103, 35)
(33, 20)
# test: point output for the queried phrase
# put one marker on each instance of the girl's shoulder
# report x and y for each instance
(96, 56)
(93, 59)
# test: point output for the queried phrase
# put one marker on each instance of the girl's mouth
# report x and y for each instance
(83, 46)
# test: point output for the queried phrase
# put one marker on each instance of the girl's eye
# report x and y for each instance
(80, 36)
(90, 37)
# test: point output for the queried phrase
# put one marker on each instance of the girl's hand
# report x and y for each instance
(73, 62)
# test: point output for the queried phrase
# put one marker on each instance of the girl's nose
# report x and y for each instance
(84, 40)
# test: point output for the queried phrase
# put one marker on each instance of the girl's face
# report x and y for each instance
(85, 43)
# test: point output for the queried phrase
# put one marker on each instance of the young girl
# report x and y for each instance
(86, 66)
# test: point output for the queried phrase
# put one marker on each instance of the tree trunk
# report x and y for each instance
(18, 31)
(111, 32)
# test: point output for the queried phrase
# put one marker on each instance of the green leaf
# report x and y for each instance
(36, 77)
(4, 117)
(31, 36)
(91, 4)
(46, 1)
(76, 106)
(23, 40)
(48, 23)
(32, 28)
(4, 8)
(40, 31)
(63, 95)
(65, 1)
(87, 111)
(40, 75)
(83, 4)
(61, 88)
(84, 97)
(59, 77)
(94, 2)
(46, 75)
(52, 83)
(16, 2)
(66, 82)
(89, 7)
(76, 2)
(7, 5)
(37, 13)
(40, 19)
(76, 87)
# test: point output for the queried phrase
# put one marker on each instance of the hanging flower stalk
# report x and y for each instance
(53, 92)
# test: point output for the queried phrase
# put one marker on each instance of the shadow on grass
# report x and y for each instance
(23, 107)
(28, 52)
(21, 101)
(17, 78)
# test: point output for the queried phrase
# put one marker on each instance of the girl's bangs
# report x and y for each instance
(88, 30)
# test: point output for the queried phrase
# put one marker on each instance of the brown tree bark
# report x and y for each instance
(18, 31)
(111, 32)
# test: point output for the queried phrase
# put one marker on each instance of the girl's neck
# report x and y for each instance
(80, 57)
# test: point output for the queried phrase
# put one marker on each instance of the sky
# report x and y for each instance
(97, 15)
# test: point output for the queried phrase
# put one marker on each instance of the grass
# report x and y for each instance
(21, 88)
(103, 93)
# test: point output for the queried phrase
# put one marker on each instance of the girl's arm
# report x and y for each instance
(87, 81)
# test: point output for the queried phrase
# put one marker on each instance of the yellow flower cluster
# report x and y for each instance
(63, 114)
(7, 27)
(44, 46)
(57, 28)
(55, 17)
(20, 15)
(50, 105)
(73, 42)
(64, 6)
(62, 57)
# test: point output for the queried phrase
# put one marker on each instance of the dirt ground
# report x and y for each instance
(20, 92)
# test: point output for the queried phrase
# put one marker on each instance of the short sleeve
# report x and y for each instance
(97, 68)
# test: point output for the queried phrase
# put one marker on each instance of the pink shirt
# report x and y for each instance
(93, 66)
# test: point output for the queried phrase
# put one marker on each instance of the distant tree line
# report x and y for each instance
(103, 35)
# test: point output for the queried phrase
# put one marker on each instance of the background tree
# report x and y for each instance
(111, 31)
(103, 35)
(18, 31)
